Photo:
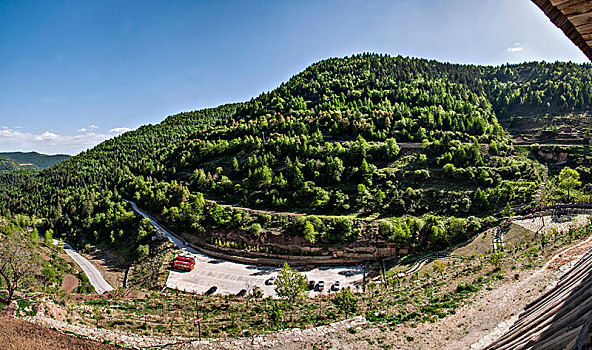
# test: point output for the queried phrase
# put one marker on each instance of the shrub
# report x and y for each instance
(255, 229)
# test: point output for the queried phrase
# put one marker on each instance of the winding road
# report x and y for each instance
(425, 260)
(93, 274)
(231, 277)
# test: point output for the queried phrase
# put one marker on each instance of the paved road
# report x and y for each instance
(93, 274)
(230, 277)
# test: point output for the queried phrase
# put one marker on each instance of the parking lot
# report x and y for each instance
(230, 277)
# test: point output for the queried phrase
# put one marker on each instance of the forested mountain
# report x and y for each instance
(34, 160)
(7, 164)
(415, 143)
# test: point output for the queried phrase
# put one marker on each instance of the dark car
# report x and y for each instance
(336, 286)
(211, 291)
(311, 285)
(242, 293)
(320, 286)
(269, 281)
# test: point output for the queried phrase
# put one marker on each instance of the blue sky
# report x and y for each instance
(73, 73)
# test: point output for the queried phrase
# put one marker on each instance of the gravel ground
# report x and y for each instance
(562, 223)
(286, 339)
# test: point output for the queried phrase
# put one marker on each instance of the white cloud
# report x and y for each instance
(6, 133)
(46, 135)
(50, 142)
(88, 128)
(516, 47)
(119, 130)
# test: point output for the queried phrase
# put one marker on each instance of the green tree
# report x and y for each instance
(569, 179)
(49, 237)
(143, 251)
(481, 199)
(496, 257)
(385, 227)
(346, 301)
(290, 284)
(508, 212)
(257, 292)
(309, 232)
(35, 235)
(275, 314)
(262, 176)
(146, 229)
(298, 177)
(255, 229)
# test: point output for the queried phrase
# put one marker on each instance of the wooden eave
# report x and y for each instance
(574, 18)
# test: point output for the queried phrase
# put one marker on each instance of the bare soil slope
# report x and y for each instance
(18, 334)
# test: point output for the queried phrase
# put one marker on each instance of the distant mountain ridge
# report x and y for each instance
(33, 160)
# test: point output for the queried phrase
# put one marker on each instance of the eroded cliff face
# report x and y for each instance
(555, 156)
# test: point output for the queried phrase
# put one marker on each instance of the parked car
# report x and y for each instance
(320, 286)
(242, 293)
(269, 281)
(211, 291)
(311, 285)
(336, 286)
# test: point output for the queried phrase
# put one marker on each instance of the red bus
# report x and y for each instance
(183, 263)
(185, 258)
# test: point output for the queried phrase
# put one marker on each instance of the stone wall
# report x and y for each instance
(338, 256)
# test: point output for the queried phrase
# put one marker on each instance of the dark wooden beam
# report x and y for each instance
(574, 18)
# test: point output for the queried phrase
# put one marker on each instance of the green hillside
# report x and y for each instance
(7, 164)
(400, 150)
(34, 159)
